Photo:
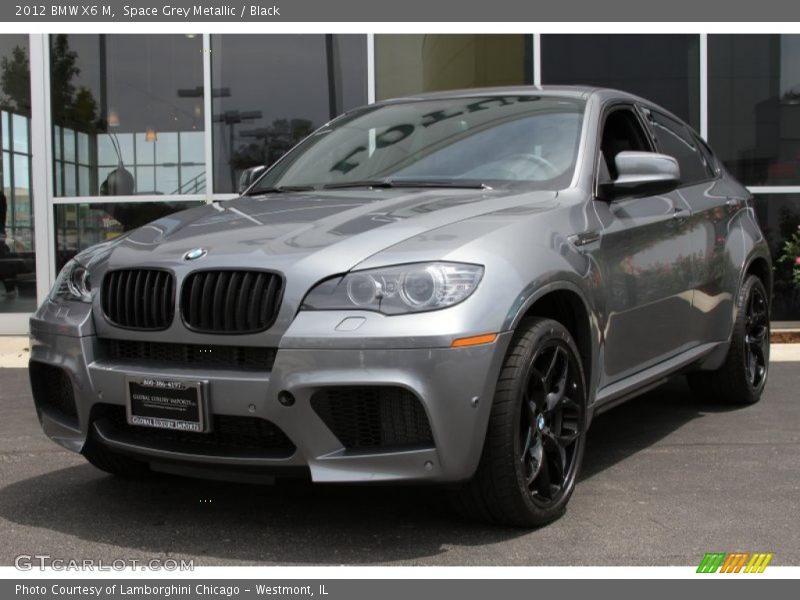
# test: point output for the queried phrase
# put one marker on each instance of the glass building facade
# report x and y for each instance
(103, 133)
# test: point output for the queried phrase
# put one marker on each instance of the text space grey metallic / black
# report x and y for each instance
(444, 288)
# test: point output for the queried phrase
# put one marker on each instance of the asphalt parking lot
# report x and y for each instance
(665, 479)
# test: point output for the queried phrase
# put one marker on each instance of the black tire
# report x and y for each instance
(539, 402)
(743, 375)
(113, 462)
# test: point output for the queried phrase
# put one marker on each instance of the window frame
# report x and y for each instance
(647, 111)
(607, 109)
(711, 157)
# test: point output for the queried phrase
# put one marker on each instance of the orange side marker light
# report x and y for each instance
(475, 340)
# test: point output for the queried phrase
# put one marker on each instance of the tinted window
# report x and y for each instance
(622, 132)
(779, 217)
(674, 139)
(270, 91)
(664, 69)
(754, 106)
(495, 139)
(413, 63)
(17, 252)
(127, 114)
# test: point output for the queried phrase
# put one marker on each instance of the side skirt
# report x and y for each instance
(644, 381)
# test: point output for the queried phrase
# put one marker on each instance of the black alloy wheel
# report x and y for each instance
(551, 420)
(741, 378)
(536, 433)
(757, 337)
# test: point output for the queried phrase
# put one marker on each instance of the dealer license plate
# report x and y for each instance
(167, 403)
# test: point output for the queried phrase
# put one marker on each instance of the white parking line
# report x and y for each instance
(784, 352)
(14, 351)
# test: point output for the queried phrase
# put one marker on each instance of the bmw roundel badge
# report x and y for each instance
(195, 253)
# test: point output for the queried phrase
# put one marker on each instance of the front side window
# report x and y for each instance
(674, 139)
(499, 140)
(622, 132)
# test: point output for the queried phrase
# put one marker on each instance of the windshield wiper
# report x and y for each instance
(408, 183)
(280, 189)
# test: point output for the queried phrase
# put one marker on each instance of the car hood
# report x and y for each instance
(327, 233)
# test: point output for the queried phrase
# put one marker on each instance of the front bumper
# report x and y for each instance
(454, 385)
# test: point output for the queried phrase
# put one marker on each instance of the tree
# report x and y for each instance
(72, 107)
(62, 70)
(15, 81)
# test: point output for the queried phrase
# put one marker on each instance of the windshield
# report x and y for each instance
(498, 140)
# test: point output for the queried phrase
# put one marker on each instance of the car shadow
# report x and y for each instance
(641, 422)
(296, 522)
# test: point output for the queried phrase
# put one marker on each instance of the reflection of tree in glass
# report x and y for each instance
(15, 80)
(786, 287)
(789, 246)
(272, 142)
(72, 107)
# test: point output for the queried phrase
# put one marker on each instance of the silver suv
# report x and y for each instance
(443, 288)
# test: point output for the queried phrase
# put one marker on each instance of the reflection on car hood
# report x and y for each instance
(342, 227)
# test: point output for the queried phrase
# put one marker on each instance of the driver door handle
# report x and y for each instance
(733, 202)
(584, 238)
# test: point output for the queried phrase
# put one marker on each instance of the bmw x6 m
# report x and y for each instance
(444, 288)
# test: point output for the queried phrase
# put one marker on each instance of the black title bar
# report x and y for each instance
(474, 11)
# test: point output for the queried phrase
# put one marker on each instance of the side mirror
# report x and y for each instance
(248, 176)
(643, 174)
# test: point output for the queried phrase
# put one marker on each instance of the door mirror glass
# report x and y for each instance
(643, 174)
(248, 176)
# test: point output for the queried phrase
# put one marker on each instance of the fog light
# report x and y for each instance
(286, 398)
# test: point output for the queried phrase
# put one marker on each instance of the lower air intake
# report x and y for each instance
(52, 391)
(374, 417)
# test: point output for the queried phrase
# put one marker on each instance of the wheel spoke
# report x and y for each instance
(760, 362)
(532, 412)
(751, 367)
(551, 369)
(569, 402)
(565, 438)
(534, 388)
(542, 483)
(534, 462)
(757, 348)
(760, 335)
(555, 396)
(556, 457)
(526, 446)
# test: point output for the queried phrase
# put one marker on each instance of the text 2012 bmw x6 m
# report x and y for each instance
(444, 288)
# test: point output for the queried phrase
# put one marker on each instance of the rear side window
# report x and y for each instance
(675, 140)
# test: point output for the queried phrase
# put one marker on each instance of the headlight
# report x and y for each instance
(396, 290)
(72, 283)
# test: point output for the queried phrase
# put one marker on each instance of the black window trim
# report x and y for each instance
(691, 134)
(705, 148)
